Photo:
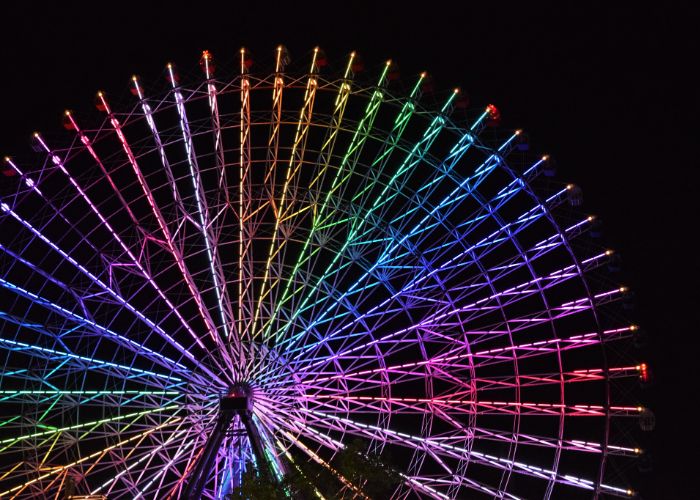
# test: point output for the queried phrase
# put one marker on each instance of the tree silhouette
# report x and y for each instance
(370, 474)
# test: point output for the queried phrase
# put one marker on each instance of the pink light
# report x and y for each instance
(161, 222)
(588, 338)
(88, 145)
(57, 161)
(548, 408)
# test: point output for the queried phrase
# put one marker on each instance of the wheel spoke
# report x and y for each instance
(276, 274)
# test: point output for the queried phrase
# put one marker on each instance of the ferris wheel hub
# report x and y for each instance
(239, 398)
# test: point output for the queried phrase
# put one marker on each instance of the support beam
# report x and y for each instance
(237, 402)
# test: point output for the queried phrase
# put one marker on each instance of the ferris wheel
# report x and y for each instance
(239, 273)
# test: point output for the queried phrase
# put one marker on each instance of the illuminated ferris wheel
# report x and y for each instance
(237, 275)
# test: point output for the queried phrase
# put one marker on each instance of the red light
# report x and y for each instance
(321, 59)
(494, 116)
(206, 63)
(100, 103)
(247, 58)
(644, 372)
(427, 86)
(393, 73)
(358, 64)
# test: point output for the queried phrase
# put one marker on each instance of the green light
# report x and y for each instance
(296, 160)
(416, 154)
(48, 410)
(11, 441)
(16, 417)
(362, 131)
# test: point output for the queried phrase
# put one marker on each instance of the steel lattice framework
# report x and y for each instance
(372, 266)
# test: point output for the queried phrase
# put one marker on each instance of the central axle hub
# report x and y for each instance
(238, 399)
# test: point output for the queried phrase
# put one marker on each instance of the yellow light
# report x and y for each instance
(99, 93)
(169, 66)
(134, 78)
(634, 328)
(456, 90)
(623, 289)
(569, 187)
(424, 74)
(590, 218)
(67, 113)
(518, 132)
(545, 158)
(36, 134)
(388, 62)
(353, 54)
(7, 158)
(639, 408)
(609, 252)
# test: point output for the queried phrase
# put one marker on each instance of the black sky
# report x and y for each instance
(607, 90)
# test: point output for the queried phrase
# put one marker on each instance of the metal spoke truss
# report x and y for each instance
(243, 270)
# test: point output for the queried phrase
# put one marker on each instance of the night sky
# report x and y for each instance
(606, 90)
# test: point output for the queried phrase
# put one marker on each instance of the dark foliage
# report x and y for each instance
(370, 474)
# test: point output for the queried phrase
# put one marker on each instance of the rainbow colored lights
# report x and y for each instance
(366, 264)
